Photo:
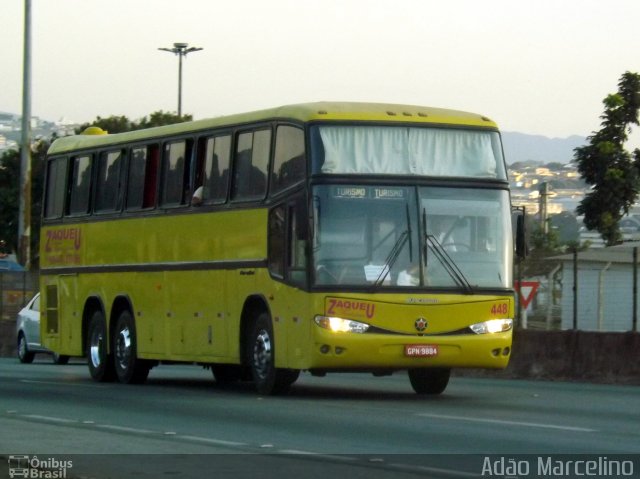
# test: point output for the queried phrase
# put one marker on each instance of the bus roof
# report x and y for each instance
(320, 111)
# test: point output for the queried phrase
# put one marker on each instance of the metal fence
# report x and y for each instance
(592, 290)
(16, 288)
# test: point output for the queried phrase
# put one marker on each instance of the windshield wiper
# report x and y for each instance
(395, 251)
(447, 262)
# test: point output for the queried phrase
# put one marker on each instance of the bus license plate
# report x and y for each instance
(421, 350)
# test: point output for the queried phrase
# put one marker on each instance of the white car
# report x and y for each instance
(28, 334)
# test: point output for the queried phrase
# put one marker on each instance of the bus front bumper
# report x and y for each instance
(336, 351)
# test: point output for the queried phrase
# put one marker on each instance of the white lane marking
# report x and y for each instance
(111, 427)
(297, 452)
(433, 470)
(66, 383)
(50, 419)
(508, 423)
(206, 440)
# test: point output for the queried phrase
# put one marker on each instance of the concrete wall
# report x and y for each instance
(585, 356)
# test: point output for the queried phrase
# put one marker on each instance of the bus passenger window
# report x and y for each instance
(56, 183)
(289, 161)
(108, 181)
(80, 185)
(212, 174)
(175, 173)
(143, 172)
(251, 165)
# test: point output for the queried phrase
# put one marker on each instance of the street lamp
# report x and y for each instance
(180, 49)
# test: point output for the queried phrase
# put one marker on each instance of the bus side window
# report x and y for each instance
(212, 171)
(289, 161)
(151, 177)
(287, 241)
(276, 241)
(297, 262)
(143, 172)
(175, 172)
(109, 166)
(56, 187)
(80, 185)
(251, 163)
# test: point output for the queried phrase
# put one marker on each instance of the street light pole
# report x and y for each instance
(180, 49)
(24, 221)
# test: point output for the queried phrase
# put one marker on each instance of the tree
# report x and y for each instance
(10, 194)
(604, 163)
(120, 124)
(159, 118)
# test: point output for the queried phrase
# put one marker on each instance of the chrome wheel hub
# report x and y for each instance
(123, 348)
(262, 354)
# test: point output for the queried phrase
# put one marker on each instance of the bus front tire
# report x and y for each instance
(429, 380)
(129, 368)
(99, 361)
(261, 355)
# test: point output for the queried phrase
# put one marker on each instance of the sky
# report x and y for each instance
(538, 67)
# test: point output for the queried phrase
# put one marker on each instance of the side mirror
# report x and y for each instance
(521, 241)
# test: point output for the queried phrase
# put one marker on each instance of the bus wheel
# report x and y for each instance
(429, 380)
(100, 363)
(129, 368)
(266, 377)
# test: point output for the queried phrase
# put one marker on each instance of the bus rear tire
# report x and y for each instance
(261, 356)
(99, 360)
(430, 381)
(129, 368)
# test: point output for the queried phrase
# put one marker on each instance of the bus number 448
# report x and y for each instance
(499, 309)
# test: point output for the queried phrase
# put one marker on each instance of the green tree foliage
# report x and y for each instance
(10, 194)
(604, 163)
(120, 124)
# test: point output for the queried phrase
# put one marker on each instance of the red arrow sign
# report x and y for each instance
(526, 291)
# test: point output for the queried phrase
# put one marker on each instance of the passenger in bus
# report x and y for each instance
(196, 199)
(409, 276)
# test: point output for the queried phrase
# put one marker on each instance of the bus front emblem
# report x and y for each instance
(421, 324)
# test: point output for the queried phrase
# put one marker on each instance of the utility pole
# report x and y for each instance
(24, 222)
(180, 49)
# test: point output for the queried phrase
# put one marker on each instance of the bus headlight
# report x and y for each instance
(492, 326)
(339, 325)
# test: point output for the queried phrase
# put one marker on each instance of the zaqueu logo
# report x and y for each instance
(350, 308)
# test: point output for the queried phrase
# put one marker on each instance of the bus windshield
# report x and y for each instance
(415, 237)
(404, 150)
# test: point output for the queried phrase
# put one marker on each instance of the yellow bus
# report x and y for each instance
(322, 237)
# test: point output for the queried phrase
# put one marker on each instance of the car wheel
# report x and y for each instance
(129, 368)
(99, 361)
(24, 355)
(429, 380)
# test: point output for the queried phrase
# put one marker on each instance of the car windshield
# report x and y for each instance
(427, 237)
